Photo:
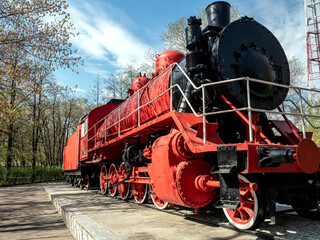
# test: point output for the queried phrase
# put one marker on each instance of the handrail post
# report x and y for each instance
(119, 122)
(95, 136)
(204, 117)
(249, 110)
(105, 130)
(171, 107)
(139, 108)
(302, 115)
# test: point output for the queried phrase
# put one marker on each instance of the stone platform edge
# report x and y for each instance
(80, 225)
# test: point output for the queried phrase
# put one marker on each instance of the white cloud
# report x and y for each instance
(95, 69)
(102, 38)
(285, 19)
(76, 89)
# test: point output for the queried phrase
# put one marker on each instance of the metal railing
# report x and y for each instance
(309, 105)
(204, 114)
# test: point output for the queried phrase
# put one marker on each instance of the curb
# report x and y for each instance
(80, 226)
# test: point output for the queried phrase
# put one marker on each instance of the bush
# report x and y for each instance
(19, 175)
(2, 175)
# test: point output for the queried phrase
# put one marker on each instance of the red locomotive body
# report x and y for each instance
(71, 154)
(198, 131)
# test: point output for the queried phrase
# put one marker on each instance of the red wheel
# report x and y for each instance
(158, 202)
(75, 182)
(123, 188)
(103, 180)
(140, 192)
(251, 212)
(113, 180)
(87, 182)
(82, 183)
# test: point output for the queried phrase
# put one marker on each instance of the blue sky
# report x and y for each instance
(116, 32)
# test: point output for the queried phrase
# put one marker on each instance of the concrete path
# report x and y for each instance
(117, 219)
(27, 213)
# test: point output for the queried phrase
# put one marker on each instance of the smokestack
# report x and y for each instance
(218, 15)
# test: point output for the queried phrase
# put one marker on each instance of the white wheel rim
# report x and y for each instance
(255, 212)
(156, 204)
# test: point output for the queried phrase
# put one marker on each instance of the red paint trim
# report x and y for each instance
(290, 125)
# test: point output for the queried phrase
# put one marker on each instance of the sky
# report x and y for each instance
(113, 33)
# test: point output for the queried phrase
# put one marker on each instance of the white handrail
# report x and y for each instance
(204, 113)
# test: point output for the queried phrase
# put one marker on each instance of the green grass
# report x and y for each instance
(19, 175)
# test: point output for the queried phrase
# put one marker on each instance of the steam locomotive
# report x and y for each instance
(199, 131)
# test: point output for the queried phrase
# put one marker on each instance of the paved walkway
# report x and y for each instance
(127, 220)
(27, 213)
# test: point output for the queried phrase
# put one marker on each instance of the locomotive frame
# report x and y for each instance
(147, 145)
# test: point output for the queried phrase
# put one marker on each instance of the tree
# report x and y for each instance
(31, 32)
(149, 64)
(297, 71)
(37, 29)
(95, 95)
(12, 82)
(118, 84)
(174, 36)
(129, 73)
(59, 121)
(37, 106)
(297, 74)
(112, 83)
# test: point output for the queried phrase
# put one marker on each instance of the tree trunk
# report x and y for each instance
(34, 150)
(11, 128)
(10, 148)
